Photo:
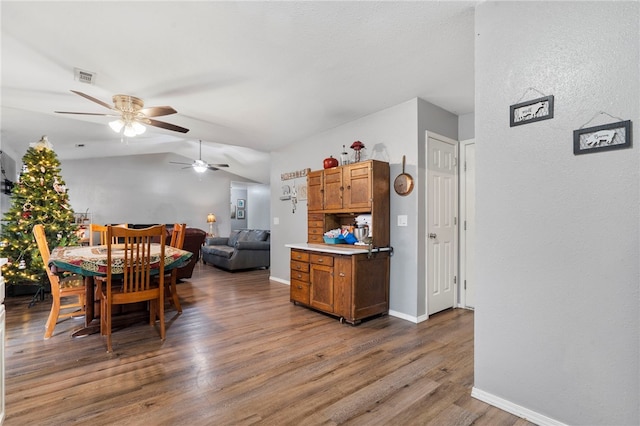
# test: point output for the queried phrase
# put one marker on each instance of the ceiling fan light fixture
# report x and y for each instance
(139, 128)
(116, 125)
(129, 130)
(200, 166)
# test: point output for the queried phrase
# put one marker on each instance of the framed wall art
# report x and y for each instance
(530, 111)
(240, 203)
(602, 138)
(241, 214)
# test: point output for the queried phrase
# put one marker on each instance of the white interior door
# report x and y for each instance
(442, 250)
(468, 224)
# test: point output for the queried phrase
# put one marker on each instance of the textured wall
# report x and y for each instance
(557, 317)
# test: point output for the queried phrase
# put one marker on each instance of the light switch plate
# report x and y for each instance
(276, 221)
(402, 220)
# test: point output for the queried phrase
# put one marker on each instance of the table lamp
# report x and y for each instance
(211, 218)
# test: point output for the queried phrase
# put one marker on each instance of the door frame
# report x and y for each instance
(462, 246)
(428, 134)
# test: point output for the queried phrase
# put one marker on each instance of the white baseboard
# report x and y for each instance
(279, 280)
(403, 316)
(514, 409)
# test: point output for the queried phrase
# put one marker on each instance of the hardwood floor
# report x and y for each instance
(242, 354)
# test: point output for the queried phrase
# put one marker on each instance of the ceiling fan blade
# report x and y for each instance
(158, 111)
(91, 98)
(218, 165)
(164, 125)
(175, 162)
(87, 113)
(212, 168)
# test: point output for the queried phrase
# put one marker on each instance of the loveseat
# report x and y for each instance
(193, 239)
(242, 249)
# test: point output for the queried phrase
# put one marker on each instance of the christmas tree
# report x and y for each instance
(40, 196)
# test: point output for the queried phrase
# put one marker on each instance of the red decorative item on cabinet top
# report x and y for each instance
(330, 162)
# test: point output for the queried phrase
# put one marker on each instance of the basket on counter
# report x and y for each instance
(329, 240)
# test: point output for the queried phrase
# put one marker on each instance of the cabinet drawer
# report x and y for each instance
(299, 291)
(321, 259)
(315, 216)
(316, 224)
(301, 256)
(299, 276)
(299, 266)
(316, 231)
(315, 238)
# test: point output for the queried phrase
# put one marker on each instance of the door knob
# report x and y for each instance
(432, 235)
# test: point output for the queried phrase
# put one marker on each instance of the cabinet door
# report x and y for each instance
(333, 188)
(357, 183)
(314, 191)
(321, 287)
(343, 287)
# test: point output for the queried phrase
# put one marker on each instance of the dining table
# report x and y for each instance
(91, 261)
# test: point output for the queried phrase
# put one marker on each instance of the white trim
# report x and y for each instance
(462, 249)
(514, 409)
(279, 280)
(405, 317)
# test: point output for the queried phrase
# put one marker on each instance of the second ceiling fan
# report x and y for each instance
(200, 166)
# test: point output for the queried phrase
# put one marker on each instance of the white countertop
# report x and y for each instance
(346, 249)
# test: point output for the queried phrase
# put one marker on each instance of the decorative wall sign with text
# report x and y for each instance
(530, 111)
(602, 138)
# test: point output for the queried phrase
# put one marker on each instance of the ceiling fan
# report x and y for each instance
(132, 114)
(200, 166)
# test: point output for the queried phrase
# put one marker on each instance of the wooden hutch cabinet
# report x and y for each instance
(337, 195)
(348, 281)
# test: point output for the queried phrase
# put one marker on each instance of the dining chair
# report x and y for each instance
(177, 241)
(135, 282)
(101, 230)
(67, 287)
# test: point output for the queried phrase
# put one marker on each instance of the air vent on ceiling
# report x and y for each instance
(84, 76)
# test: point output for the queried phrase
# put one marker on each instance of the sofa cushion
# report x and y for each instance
(257, 235)
(222, 251)
(233, 237)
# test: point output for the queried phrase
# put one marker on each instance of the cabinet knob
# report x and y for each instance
(297, 266)
(341, 274)
(299, 287)
(320, 260)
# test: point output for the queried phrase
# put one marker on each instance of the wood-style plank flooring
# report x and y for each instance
(242, 354)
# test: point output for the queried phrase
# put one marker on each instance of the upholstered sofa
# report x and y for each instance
(193, 239)
(242, 249)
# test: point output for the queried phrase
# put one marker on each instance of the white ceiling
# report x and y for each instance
(246, 78)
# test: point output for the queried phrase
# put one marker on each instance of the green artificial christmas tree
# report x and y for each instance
(40, 196)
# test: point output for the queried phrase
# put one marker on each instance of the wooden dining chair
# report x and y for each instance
(67, 287)
(101, 230)
(177, 241)
(135, 283)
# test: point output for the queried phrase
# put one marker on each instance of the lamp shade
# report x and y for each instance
(211, 218)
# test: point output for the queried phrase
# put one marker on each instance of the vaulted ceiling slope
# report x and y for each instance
(246, 78)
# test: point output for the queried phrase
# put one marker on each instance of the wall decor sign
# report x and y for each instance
(602, 138)
(240, 203)
(241, 214)
(530, 111)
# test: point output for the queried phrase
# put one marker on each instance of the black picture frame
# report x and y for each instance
(606, 137)
(531, 111)
(241, 214)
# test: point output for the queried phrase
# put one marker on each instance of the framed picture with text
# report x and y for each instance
(606, 137)
(530, 111)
